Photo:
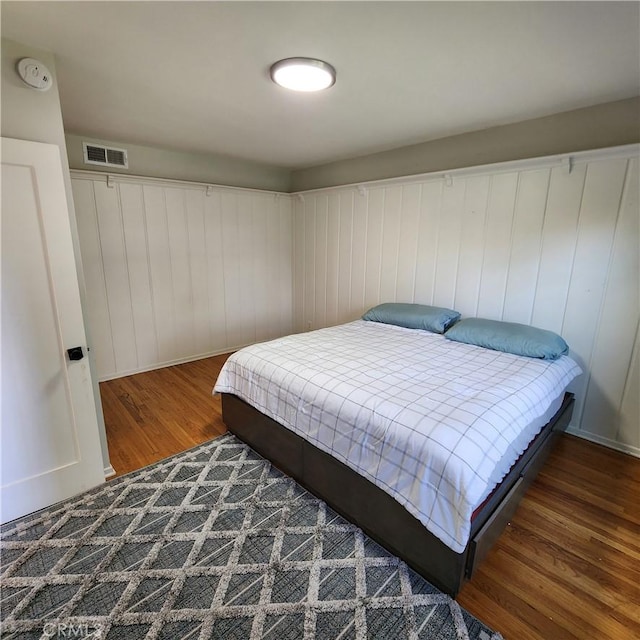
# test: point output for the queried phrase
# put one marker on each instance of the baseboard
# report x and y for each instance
(606, 442)
(170, 363)
(109, 472)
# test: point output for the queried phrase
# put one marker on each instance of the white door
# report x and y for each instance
(49, 431)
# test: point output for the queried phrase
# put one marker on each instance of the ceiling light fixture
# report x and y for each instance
(303, 74)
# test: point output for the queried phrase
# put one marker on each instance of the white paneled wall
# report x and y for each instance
(544, 242)
(174, 272)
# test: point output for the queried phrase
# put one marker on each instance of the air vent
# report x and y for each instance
(105, 156)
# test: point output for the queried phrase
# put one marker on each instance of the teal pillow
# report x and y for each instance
(413, 316)
(511, 337)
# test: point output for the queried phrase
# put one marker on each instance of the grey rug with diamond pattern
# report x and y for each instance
(211, 543)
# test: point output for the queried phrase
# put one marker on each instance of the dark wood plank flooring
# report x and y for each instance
(566, 567)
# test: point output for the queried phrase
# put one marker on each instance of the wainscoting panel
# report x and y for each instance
(551, 242)
(175, 273)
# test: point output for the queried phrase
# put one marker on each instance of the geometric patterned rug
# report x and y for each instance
(211, 543)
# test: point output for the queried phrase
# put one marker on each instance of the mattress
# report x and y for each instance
(434, 423)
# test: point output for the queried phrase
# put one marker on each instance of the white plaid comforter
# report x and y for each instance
(435, 423)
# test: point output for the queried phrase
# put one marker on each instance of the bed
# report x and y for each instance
(425, 443)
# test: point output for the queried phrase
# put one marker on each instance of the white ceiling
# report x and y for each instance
(195, 75)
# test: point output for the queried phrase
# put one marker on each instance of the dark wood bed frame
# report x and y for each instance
(376, 512)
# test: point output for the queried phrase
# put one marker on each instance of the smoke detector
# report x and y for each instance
(35, 74)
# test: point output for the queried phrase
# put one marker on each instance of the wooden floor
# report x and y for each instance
(567, 566)
(153, 415)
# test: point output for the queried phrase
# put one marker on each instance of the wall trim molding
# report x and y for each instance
(171, 363)
(113, 178)
(568, 160)
(605, 442)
